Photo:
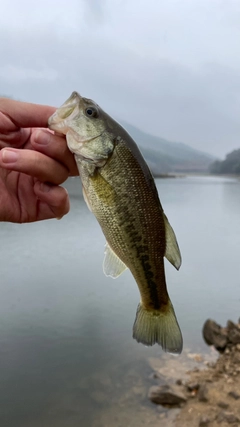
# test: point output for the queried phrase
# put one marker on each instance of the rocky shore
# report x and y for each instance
(208, 395)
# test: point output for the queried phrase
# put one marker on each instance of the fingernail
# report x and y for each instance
(45, 188)
(41, 137)
(9, 156)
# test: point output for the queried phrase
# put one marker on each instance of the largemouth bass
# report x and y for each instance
(120, 191)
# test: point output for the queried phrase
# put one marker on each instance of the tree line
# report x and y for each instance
(230, 165)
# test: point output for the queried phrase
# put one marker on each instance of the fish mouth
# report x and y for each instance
(67, 111)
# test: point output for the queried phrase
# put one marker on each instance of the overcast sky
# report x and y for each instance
(169, 67)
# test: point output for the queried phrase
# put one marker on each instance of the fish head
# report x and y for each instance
(82, 121)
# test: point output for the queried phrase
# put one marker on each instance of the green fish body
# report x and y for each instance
(120, 191)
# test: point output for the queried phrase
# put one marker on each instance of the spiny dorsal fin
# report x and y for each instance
(172, 251)
(112, 265)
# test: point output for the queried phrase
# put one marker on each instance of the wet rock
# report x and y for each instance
(213, 334)
(155, 376)
(234, 395)
(166, 395)
(233, 332)
(223, 405)
(203, 393)
(204, 421)
(228, 417)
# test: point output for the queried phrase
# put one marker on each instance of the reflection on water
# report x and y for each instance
(66, 353)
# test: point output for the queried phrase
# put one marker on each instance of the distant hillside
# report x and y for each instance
(165, 156)
(231, 164)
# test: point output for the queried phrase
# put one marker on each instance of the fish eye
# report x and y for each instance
(92, 112)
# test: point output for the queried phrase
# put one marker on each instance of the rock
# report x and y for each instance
(203, 393)
(166, 395)
(223, 405)
(179, 382)
(154, 376)
(233, 332)
(231, 325)
(204, 421)
(193, 385)
(213, 334)
(228, 417)
(236, 357)
(234, 394)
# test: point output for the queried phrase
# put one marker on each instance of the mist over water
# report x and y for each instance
(65, 330)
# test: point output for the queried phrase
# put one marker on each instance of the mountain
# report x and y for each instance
(165, 156)
(231, 164)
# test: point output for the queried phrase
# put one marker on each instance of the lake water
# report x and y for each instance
(67, 358)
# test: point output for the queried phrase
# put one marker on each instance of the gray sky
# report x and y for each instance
(169, 67)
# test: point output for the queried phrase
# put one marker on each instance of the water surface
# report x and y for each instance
(66, 353)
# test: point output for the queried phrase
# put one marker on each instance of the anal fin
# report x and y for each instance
(112, 265)
(172, 251)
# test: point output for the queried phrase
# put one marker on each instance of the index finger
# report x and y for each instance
(26, 114)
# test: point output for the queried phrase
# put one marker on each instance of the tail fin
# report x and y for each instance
(152, 327)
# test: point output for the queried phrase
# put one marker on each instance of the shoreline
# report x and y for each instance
(207, 394)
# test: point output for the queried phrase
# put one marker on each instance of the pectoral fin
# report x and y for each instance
(172, 251)
(112, 265)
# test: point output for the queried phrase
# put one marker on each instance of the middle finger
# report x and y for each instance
(38, 165)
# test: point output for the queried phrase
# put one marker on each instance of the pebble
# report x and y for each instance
(203, 393)
(223, 405)
(166, 395)
(228, 417)
(234, 394)
(192, 386)
(204, 421)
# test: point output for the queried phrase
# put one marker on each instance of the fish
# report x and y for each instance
(120, 191)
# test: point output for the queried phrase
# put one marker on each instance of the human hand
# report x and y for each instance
(33, 162)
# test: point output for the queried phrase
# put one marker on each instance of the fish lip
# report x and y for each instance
(56, 118)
